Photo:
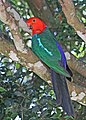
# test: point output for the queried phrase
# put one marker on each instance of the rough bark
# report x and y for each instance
(20, 53)
(40, 9)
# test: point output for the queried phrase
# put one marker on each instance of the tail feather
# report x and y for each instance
(56, 87)
(61, 92)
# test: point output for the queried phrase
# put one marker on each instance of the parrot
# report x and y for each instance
(50, 52)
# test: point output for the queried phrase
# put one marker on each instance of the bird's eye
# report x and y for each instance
(34, 20)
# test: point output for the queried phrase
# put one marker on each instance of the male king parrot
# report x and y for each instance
(46, 47)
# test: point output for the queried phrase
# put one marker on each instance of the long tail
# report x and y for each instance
(61, 92)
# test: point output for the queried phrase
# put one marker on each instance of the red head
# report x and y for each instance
(36, 25)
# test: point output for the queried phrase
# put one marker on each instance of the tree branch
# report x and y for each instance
(77, 65)
(7, 15)
(70, 14)
(40, 9)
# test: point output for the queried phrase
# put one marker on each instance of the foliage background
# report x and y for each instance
(23, 93)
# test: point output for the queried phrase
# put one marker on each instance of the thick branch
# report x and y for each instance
(77, 65)
(7, 15)
(31, 62)
(40, 9)
(70, 14)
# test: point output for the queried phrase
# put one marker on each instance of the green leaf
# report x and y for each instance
(68, 117)
(17, 65)
(2, 89)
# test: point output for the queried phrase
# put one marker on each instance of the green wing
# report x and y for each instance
(44, 46)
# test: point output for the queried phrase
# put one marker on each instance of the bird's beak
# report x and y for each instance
(29, 25)
(28, 29)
